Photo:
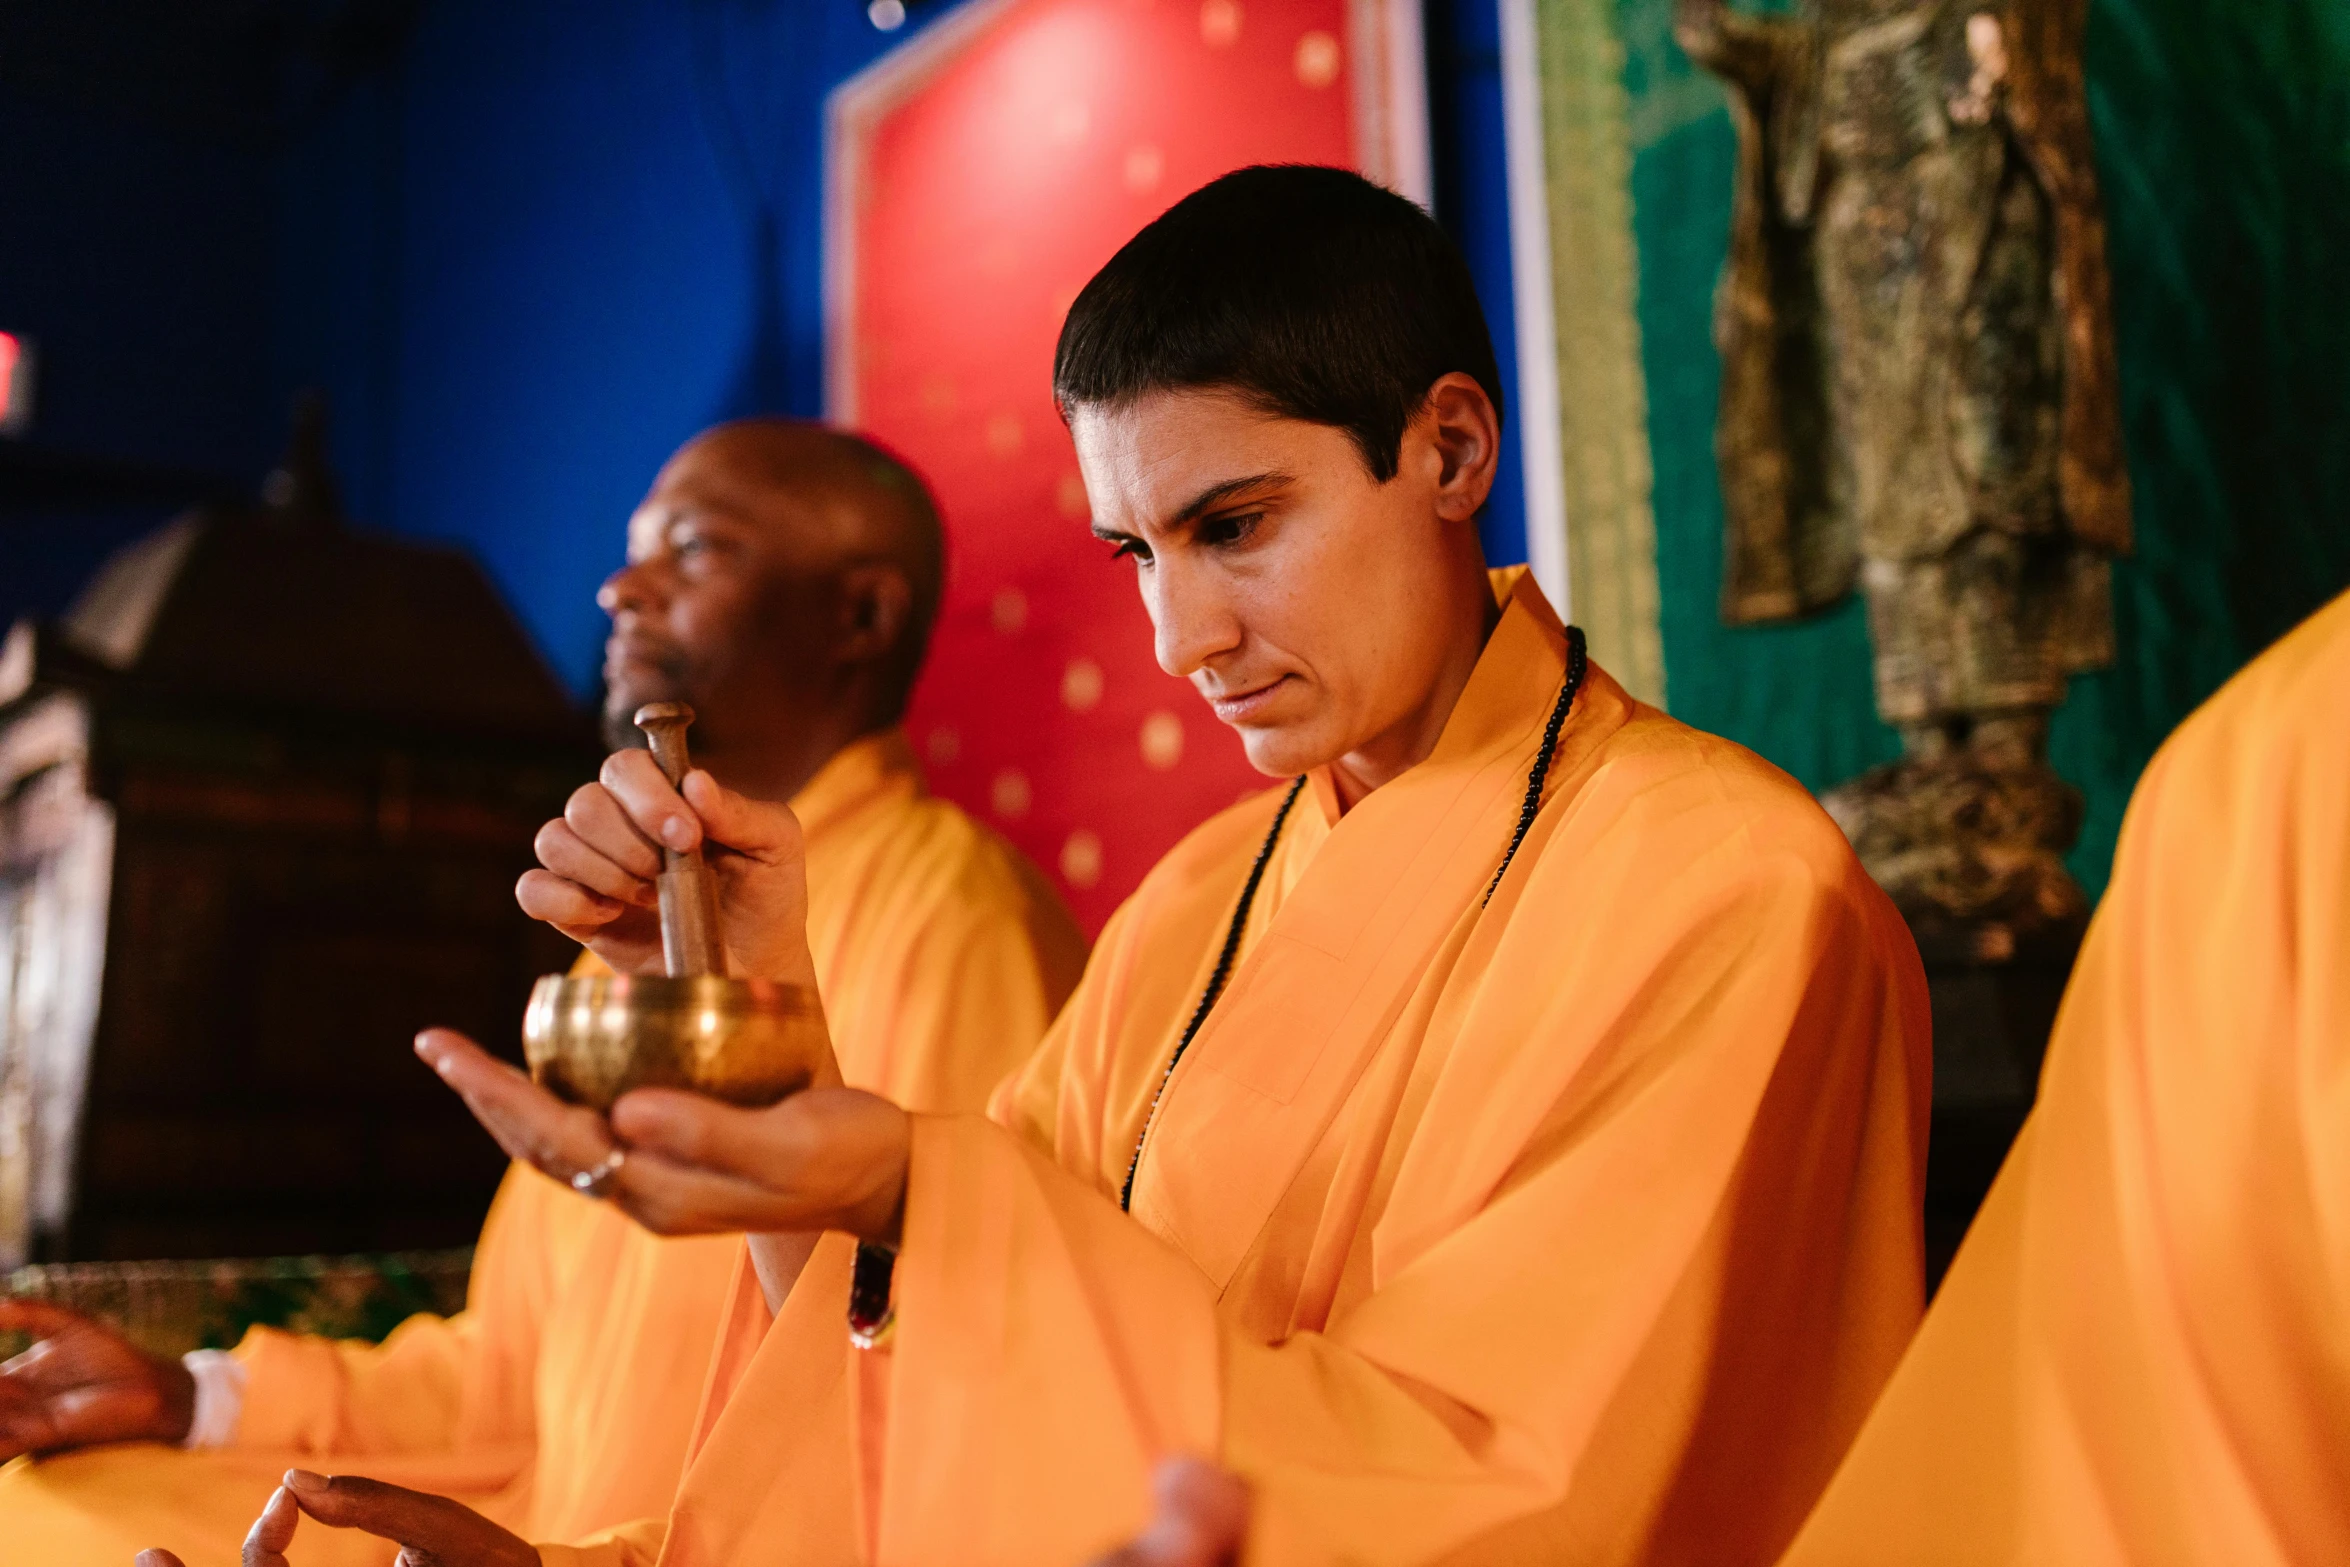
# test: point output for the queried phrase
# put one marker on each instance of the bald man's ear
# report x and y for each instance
(876, 601)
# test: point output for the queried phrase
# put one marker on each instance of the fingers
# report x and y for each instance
(578, 912)
(826, 1158)
(273, 1532)
(774, 1146)
(39, 1318)
(597, 863)
(531, 1124)
(1211, 1503)
(389, 1512)
(26, 1423)
(758, 828)
(627, 938)
(433, 1527)
(631, 808)
(602, 821)
(670, 1199)
(562, 903)
(563, 850)
(604, 852)
(633, 781)
(1201, 1519)
(156, 1556)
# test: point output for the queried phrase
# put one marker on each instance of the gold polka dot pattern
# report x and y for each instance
(1010, 794)
(1317, 59)
(1081, 685)
(1081, 858)
(1162, 741)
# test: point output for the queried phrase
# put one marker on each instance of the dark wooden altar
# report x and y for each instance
(1992, 1022)
(264, 794)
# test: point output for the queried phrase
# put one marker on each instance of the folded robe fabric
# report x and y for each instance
(2142, 1351)
(1580, 1224)
(561, 1401)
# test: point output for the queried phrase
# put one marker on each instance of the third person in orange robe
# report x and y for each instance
(2142, 1351)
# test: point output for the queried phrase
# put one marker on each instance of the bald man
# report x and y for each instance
(782, 578)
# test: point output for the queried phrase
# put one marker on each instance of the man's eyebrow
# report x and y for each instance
(1206, 500)
(1216, 494)
(704, 514)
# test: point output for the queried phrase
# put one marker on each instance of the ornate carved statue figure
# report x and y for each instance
(1918, 394)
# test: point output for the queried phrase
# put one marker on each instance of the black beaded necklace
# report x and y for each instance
(1578, 662)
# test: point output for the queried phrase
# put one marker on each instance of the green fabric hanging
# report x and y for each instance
(2223, 144)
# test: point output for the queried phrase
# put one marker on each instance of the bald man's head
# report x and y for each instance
(783, 578)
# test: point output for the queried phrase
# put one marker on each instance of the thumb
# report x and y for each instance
(156, 1556)
(40, 1318)
(761, 829)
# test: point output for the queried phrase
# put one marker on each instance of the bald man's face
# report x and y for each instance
(729, 600)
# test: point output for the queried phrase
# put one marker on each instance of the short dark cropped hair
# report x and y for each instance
(1311, 292)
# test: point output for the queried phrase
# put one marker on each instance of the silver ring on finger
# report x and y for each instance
(595, 1181)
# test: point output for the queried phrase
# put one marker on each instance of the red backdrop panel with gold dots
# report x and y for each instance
(979, 175)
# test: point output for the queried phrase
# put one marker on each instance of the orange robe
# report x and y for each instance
(1580, 1225)
(2142, 1351)
(562, 1399)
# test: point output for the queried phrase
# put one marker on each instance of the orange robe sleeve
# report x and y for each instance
(1647, 1342)
(436, 1384)
(798, 1422)
(636, 1544)
(2140, 1352)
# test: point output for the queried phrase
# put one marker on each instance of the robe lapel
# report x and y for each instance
(1343, 954)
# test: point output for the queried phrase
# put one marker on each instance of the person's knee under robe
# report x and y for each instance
(2140, 1354)
(562, 1399)
(1578, 1225)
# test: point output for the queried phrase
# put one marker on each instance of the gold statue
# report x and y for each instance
(1918, 393)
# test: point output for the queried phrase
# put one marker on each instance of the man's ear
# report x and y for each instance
(1463, 432)
(875, 602)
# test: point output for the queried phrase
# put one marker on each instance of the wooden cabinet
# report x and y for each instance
(263, 798)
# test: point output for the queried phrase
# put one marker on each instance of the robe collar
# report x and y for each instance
(869, 768)
(1395, 885)
(1522, 664)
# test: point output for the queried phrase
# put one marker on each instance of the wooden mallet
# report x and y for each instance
(690, 942)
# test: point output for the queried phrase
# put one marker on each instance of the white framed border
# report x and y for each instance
(850, 113)
(1541, 450)
(1390, 85)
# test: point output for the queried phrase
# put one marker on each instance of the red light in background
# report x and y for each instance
(16, 384)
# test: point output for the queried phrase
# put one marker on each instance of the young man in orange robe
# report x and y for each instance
(782, 578)
(2142, 1352)
(1502, 1143)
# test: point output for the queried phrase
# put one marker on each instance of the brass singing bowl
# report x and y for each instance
(591, 1038)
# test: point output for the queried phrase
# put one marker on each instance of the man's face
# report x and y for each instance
(1280, 577)
(720, 604)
